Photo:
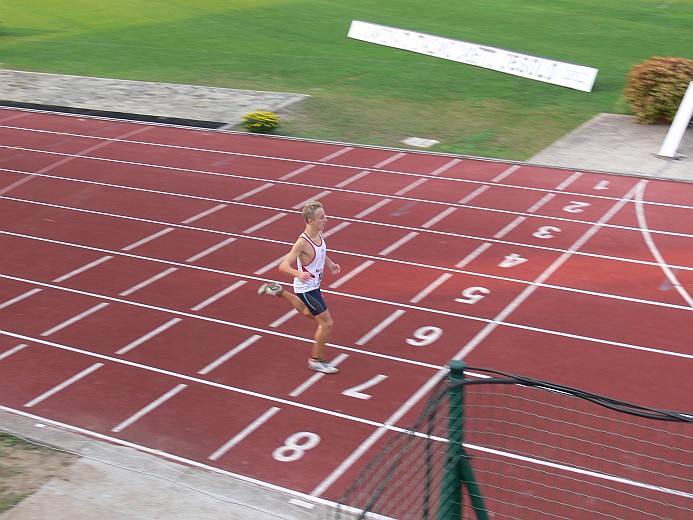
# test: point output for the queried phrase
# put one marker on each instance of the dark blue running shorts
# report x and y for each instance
(313, 299)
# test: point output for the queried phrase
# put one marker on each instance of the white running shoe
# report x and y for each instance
(273, 289)
(320, 365)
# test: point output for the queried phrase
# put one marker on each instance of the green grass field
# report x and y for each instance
(361, 92)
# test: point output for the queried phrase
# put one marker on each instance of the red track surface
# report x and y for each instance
(131, 255)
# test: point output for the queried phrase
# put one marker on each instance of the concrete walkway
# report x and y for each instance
(615, 143)
(223, 106)
(118, 483)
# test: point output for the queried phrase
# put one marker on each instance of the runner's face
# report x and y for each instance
(320, 220)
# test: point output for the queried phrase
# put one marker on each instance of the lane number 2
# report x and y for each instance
(576, 207)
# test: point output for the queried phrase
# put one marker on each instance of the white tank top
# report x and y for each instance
(315, 268)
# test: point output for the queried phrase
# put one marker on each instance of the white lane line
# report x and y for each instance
(319, 196)
(82, 269)
(74, 319)
(270, 266)
(45, 395)
(212, 384)
(296, 172)
(255, 179)
(377, 424)
(379, 327)
(265, 222)
(520, 298)
(505, 173)
(406, 238)
(351, 274)
(471, 256)
(148, 281)
(147, 239)
(67, 158)
(316, 377)
(349, 461)
(425, 389)
(168, 456)
(374, 207)
(105, 142)
(127, 348)
(333, 229)
(235, 350)
(245, 432)
(431, 287)
(150, 407)
(507, 229)
(13, 350)
(204, 213)
(301, 503)
(446, 167)
(474, 194)
(243, 326)
(546, 198)
(19, 298)
(211, 250)
(568, 181)
(412, 201)
(438, 218)
(642, 222)
(218, 295)
(16, 184)
(385, 259)
(336, 154)
(345, 347)
(17, 116)
(412, 186)
(283, 319)
(389, 160)
(353, 178)
(253, 192)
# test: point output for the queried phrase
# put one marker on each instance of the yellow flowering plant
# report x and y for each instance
(261, 121)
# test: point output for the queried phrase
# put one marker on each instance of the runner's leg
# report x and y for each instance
(296, 302)
(322, 334)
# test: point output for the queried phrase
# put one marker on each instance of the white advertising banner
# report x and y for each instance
(569, 75)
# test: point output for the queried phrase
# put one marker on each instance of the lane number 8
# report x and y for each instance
(295, 446)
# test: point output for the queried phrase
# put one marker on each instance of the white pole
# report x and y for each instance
(678, 126)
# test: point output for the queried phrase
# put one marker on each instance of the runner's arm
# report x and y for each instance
(334, 268)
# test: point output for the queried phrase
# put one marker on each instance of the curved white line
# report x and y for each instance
(642, 222)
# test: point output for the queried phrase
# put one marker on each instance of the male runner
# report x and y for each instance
(309, 256)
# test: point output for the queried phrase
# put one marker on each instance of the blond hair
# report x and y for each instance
(310, 209)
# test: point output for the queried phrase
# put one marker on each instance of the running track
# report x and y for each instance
(131, 254)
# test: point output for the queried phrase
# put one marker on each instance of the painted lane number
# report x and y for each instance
(295, 446)
(425, 336)
(357, 391)
(512, 260)
(471, 295)
(546, 232)
(576, 207)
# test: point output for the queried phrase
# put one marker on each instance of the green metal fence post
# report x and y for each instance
(450, 507)
(458, 470)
